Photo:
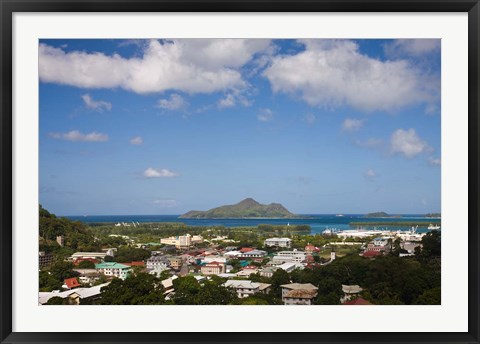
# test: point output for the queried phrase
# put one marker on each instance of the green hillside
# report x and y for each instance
(248, 208)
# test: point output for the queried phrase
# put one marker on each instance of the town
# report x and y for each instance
(234, 266)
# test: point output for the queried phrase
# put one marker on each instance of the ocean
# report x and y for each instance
(317, 223)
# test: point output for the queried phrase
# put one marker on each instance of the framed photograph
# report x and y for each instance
(233, 171)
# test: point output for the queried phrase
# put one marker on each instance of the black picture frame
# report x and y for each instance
(9, 7)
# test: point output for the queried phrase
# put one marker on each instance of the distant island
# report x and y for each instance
(381, 214)
(248, 208)
(435, 215)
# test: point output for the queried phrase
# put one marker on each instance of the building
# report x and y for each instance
(45, 258)
(298, 293)
(294, 256)
(88, 255)
(267, 272)
(71, 283)
(311, 248)
(175, 262)
(113, 269)
(357, 302)
(350, 292)
(61, 240)
(278, 242)
(253, 254)
(379, 245)
(289, 267)
(182, 241)
(245, 288)
(87, 276)
(217, 259)
(155, 262)
(213, 268)
(75, 295)
(247, 271)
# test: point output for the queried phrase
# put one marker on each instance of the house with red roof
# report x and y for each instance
(372, 254)
(140, 264)
(71, 283)
(246, 249)
(357, 302)
(311, 248)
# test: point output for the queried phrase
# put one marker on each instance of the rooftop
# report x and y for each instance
(301, 294)
(299, 286)
(111, 265)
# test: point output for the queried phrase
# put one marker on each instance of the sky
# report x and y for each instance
(164, 126)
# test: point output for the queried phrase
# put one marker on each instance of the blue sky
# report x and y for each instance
(167, 126)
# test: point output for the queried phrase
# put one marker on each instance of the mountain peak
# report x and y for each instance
(248, 208)
(249, 201)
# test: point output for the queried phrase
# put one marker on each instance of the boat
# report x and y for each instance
(433, 227)
(339, 215)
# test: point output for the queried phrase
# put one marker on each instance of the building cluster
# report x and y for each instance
(235, 264)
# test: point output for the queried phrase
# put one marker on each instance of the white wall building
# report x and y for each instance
(294, 256)
(245, 288)
(278, 242)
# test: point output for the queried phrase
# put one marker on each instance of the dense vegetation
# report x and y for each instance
(244, 209)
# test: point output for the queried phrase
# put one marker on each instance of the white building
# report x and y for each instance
(113, 269)
(245, 288)
(88, 255)
(278, 242)
(294, 256)
(155, 262)
(75, 295)
(182, 241)
(289, 267)
(253, 254)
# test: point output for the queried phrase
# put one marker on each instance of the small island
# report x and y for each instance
(433, 215)
(248, 208)
(381, 214)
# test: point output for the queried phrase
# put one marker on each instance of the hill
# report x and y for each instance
(248, 208)
(380, 214)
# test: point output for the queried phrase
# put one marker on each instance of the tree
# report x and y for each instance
(329, 292)
(431, 244)
(48, 283)
(56, 300)
(61, 270)
(186, 290)
(430, 297)
(213, 294)
(278, 278)
(86, 264)
(142, 289)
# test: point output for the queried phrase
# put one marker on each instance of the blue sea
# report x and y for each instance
(317, 223)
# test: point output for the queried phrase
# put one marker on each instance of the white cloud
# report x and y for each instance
(228, 101)
(370, 174)
(188, 65)
(159, 173)
(434, 161)
(408, 143)
(334, 73)
(265, 115)
(352, 124)
(165, 203)
(97, 105)
(412, 47)
(175, 102)
(137, 141)
(76, 135)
